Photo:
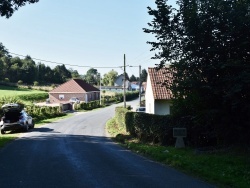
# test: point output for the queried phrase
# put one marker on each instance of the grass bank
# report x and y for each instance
(225, 168)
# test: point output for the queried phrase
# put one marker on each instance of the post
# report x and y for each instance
(100, 89)
(124, 82)
(139, 85)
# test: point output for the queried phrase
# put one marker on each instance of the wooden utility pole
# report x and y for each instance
(140, 85)
(124, 82)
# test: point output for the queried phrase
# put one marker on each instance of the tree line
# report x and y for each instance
(27, 71)
(207, 44)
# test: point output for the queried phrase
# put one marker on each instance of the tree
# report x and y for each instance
(92, 76)
(207, 46)
(109, 78)
(144, 75)
(7, 7)
(133, 78)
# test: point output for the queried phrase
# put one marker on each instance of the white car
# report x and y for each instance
(15, 118)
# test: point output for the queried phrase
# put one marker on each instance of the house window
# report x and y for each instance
(61, 97)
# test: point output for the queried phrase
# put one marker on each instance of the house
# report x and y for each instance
(119, 82)
(135, 86)
(157, 96)
(74, 88)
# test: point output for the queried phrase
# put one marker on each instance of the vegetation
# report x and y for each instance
(207, 44)
(224, 167)
(7, 7)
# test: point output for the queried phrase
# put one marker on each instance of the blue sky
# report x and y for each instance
(91, 33)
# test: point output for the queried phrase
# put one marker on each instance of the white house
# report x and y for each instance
(157, 96)
(119, 82)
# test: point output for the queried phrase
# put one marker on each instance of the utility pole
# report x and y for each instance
(140, 85)
(124, 82)
(100, 89)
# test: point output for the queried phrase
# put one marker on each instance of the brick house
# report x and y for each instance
(157, 96)
(74, 88)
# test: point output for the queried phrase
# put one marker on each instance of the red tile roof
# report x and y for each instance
(74, 86)
(157, 78)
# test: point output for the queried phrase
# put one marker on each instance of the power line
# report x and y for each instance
(63, 63)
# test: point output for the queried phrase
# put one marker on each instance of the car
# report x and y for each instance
(141, 109)
(74, 100)
(15, 118)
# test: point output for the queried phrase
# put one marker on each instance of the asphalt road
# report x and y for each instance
(75, 152)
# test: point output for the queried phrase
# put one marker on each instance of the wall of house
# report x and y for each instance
(149, 98)
(162, 107)
(85, 97)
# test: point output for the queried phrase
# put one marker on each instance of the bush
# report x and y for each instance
(146, 127)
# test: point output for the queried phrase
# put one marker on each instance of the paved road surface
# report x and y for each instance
(75, 152)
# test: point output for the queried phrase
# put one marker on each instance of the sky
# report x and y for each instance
(82, 34)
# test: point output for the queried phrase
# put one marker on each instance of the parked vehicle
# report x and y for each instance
(141, 109)
(74, 100)
(15, 118)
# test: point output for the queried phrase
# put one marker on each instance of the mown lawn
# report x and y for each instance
(14, 91)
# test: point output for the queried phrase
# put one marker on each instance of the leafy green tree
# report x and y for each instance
(92, 76)
(61, 74)
(7, 7)
(109, 78)
(74, 73)
(207, 44)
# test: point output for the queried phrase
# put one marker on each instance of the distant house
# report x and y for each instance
(120, 82)
(157, 96)
(74, 88)
(135, 86)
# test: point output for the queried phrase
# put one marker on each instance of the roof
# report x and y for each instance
(157, 79)
(74, 86)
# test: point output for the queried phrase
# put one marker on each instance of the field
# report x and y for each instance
(14, 91)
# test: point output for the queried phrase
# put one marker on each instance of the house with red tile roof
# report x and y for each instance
(157, 96)
(74, 88)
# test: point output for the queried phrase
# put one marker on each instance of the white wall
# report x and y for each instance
(149, 98)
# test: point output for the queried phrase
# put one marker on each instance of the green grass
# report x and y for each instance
(228, 168)
(15, 91)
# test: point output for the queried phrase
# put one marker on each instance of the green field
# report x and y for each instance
(6, 91)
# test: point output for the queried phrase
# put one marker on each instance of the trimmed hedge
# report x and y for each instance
(146, 127)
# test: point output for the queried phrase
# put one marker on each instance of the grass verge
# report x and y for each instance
(225, 168)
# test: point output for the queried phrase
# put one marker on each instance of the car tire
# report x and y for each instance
(32, 125)
(26, 128)
(2, 131)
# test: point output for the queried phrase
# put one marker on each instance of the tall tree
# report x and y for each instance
(144, 75)
(92, 76)
(207, 44)
(7, 7)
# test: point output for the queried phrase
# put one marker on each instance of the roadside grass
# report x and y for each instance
(224, 168)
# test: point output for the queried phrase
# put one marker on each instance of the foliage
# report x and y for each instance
(109, 78)
(13, 69)
(207, 44)
(7, 7)
(144, 75)
(92, 77)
